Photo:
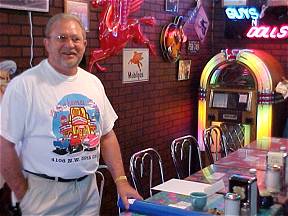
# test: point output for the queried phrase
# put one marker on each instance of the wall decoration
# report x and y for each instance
(172, 38)
(268, 32)
(29, 5)
(242, 13)
(116, 28)
(184, 69)
(193, 46)
(265, 22)
(135, 65)
(172, 6)
(78, 8)
(173, 35)
(201, 24)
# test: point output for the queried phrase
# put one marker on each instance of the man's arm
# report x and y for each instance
(112, 157)
(11, 169)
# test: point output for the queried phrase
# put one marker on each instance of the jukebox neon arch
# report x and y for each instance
(257, 101)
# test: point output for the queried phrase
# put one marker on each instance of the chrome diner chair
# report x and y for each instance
(214, 143)
(100, 176)
(146, 169)
(234, 135)
(186, 156)
(104, 181)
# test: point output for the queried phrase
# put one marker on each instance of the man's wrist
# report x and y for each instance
(120, 179)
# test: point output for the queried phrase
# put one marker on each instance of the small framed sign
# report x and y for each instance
(193, 46)
(184, 69)
(30, 5)
(135, 65)
(172, 5)
(78, 8)
(201, 24)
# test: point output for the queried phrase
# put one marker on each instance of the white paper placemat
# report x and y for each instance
(186, 187)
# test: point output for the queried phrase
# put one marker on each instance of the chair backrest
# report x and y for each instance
(214, 143)
(105, 183)
(101, 178)
(234, 135)
(186, 156)
(146, 170)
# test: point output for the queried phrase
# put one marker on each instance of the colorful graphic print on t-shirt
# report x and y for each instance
(76, 125)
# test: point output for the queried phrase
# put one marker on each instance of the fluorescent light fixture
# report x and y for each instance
(233, 3)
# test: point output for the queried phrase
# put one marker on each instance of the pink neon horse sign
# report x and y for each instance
(116, 29)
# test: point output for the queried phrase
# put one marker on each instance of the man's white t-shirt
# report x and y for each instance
(59, 120)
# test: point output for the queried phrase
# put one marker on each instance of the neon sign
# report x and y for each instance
(231, 54)
(242, 13)
(273, 32)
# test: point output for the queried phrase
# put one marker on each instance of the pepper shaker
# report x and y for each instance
(273, 180)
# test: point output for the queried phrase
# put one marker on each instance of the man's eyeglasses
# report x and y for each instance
(65, 38)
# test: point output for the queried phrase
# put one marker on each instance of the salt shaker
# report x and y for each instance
(232, 204)
(253, 172)
(273, 179)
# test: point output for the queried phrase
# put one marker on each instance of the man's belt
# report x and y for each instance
(58, 179)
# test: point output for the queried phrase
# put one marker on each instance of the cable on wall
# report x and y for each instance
(31, 36)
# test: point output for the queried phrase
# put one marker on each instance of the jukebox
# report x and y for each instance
(237, 87)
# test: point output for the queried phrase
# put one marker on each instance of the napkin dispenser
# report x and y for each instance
(246, 187)
(279, 159)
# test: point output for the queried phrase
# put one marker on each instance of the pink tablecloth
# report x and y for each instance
(245, 158)
(268, 144)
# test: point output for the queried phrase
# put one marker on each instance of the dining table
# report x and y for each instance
(215, 206)
(245, 158)
(268, 144)
(243, 161)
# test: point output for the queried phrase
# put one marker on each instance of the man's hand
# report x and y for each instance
(125, 191)
(112, 157)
